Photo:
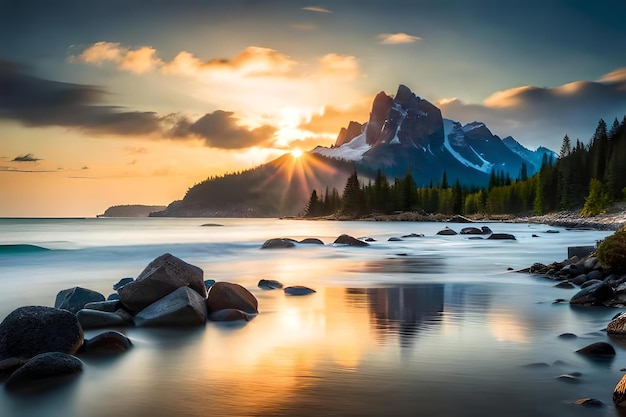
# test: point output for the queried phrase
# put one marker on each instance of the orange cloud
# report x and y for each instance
(508, 98)
(331, 119)
(617, 76)
(397, 38)
(317, 9)
(344, 66)
(139, 60)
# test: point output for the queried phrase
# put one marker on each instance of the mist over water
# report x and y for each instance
(424, 326)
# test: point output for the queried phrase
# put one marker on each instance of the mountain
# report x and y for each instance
(404, 133)
(408, 133)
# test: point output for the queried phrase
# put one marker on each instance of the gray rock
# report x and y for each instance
(279, 243)
(119, 284)
(114, 296)
(564, 285)
(311, 241)
(590, 263)
(162, 276)
(579, 279)
(74, 299)
(126, 316)
(41, 369)
(594, 294)
(226, 295)
(486, 230)
(29, 331)
(589, 283)
(183, 307)
(567, 336)
(598, 350)
(107, 343)
(589, 402)
(595, 274)
(108, 306)
(349, 241)
(230, 314)
(298, 290)
(91, 319)
(394, 239)
(446, 231)
(471, 231)
(270, 284)
(412, 235)
(501, 236)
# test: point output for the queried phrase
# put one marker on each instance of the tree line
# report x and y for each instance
(584, 177)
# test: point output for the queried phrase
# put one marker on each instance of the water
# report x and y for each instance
(425, 326)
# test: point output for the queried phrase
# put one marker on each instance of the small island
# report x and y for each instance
(130, 210)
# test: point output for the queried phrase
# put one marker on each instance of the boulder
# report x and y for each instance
(298, 290)
(311, 241)
(349, 241)
(598, 350)
(279, 243)
(230, 314)
(617, 325)
(74, 299)
(108, 306)
(183, 307)
(226, 295)
(501, 236)
(486, 230)
(270, 284)
(114, 296)
(119, 284)
(126, 316)
(394, 239)
(107, 343)
(8, 366)
(369, 239)
(29, 331)
(594, 294)
(580, 280)
(412, 235)
(446, 231)
(471, 231)
(619, 393)
(595, 274)
(590, 263)
(588, 283)
(91, 319)
(162, 276)
(41, 369)
(564, 284)
(589, 402)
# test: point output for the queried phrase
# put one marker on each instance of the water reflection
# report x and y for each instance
(403, 263)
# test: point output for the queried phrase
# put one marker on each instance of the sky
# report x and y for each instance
(108, 102)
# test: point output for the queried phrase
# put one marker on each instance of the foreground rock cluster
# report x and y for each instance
(39, 345)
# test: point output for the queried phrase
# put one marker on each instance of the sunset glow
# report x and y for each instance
(146, 107)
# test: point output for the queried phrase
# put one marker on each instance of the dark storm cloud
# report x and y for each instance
(39, 102)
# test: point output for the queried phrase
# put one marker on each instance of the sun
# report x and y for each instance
(296, 153)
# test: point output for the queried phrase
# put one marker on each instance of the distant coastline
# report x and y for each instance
(130, 210)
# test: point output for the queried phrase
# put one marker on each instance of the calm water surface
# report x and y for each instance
(425, 326)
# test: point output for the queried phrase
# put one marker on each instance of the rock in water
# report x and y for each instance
(29, 331)
(298, 290)
(226, 295)
(446, 231)
(107, 343)
(279, 243)
(598, 350)
(42, 368)
(501, 236)
(74, 299)
(270, 284)
(183, 307)
(617, 325)
(311, 241)
(119, 284)
(230, 314)
(90, 319)
(162, 276)
(593, 295)
(349, 241)
(619, 393)
(471, 231)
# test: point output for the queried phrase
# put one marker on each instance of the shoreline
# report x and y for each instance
(567, 219)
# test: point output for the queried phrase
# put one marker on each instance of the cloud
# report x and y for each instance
(317, 9)
(139, 60)
(220, 129)
(344, 66)
(543, 115)
(331, 119)
(39, 102)
(252, 61)
(29, 157)
(397, 38)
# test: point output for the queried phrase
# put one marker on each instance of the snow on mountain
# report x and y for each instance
(471, 126)
(351, 151)
(452, 130)
(534, 157)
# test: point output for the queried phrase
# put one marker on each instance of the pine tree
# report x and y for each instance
(566, 148)
(352, 199)
(457, 198)
(523, 175)
(444, 181)
(313, 207)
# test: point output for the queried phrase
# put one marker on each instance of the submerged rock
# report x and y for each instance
(279, 243)
(594, 294)
(91, 319)
(446, 231)
(29, 331)
(226, 295)
(311, 241)
(471, 231)
(589, 402)
(107, 343)
(349, 241)
(270, 284)
(42, 368)
(501, 236)
(162, 276)
(74, 299)
(230, 314)
(598, 350)
(298, 290)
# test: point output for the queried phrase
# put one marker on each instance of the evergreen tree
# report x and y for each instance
(457, 198)
(313, 208)
(523, 175)
(352, 199)
(444, 181)
(566, 148)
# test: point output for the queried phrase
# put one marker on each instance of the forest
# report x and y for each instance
(586, 177)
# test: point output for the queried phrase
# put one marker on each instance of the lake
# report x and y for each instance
(435, 325)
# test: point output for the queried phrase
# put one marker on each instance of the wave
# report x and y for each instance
(21, 248)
